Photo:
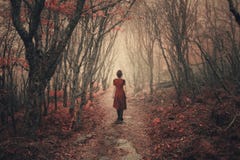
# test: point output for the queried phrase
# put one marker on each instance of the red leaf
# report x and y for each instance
(156, 121)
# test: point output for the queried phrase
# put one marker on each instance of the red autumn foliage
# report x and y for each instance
(66, 7)
(59, 93)
(197, 130)
(156, 121)
(54, 139)
(47, 22)
(100, 13)
(117, 28)
(4, 62)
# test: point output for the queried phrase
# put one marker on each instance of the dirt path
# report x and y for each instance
(126, 141)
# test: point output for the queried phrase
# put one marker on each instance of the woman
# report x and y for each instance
(119, 96)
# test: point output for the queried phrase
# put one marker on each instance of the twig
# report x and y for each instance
(231, 123)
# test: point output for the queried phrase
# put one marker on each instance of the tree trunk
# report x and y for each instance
(151, 80)
(45, 108)
(65, 95)
(38, 79)
(35, 94)
(55, 95)
(91, 91)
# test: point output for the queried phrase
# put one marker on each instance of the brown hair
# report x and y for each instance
(119, 74)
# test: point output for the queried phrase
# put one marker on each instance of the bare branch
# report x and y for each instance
(16, 7)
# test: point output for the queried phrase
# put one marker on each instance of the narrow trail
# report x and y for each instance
(126, 141)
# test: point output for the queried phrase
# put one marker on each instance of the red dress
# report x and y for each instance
(120, 97)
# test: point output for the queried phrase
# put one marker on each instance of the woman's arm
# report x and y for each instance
(125, 88)
(114, 90)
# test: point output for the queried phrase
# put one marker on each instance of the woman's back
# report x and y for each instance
(119, 83)
(120, 97)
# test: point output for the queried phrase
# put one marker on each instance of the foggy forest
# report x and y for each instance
(119, 79)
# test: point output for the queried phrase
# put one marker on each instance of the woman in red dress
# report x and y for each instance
(119, 96)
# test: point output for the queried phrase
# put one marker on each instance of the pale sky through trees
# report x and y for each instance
(122, 61)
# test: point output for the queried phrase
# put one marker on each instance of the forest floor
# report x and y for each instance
(154, 128)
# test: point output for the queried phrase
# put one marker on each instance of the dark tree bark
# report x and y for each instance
(234, 11)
